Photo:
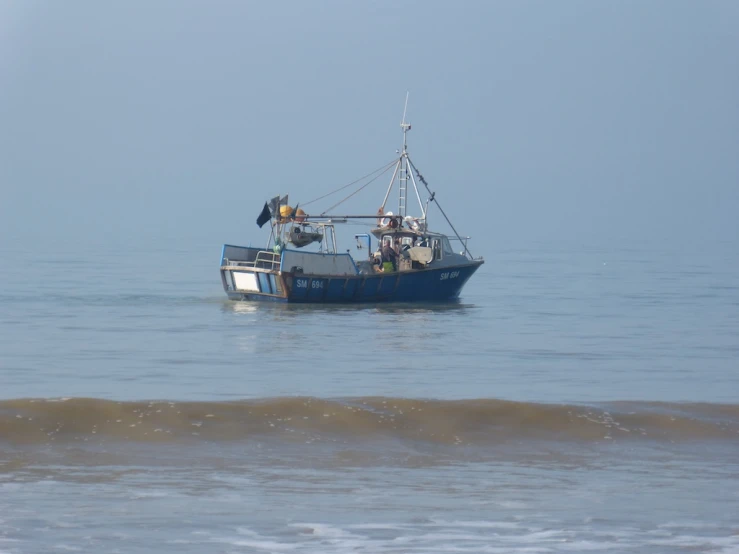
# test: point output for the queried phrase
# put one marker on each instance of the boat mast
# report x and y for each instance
(404, 174)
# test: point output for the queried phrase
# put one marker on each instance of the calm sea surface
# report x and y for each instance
(576, 399)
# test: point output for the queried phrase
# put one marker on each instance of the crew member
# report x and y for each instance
(389, 258)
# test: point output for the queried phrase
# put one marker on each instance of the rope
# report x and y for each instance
(432, 199)
(384, 167)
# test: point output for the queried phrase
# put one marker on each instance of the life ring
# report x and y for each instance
(386, 220)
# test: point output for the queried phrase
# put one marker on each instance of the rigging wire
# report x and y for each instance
(432, 199)
(383, 169)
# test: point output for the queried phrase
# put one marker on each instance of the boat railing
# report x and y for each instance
(264, 260)
(466, 251)
(463, 240)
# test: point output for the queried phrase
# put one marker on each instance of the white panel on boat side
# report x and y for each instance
(246, 281)
(319, 264)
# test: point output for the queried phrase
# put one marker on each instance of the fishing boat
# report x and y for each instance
(405, 260)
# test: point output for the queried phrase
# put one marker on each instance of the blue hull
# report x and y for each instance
(408, 286)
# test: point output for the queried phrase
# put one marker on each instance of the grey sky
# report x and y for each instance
(136, 121)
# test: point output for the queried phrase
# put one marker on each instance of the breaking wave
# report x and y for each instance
(471, 422)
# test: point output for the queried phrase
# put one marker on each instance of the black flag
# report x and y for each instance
(264, 216)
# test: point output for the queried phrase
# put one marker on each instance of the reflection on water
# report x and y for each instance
(279, 309)
(312, 329)
(240, 307)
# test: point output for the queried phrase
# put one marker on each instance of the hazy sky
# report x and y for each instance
(139, 121)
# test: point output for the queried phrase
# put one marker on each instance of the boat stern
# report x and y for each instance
(252, 274)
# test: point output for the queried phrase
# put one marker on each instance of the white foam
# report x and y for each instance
(379, 526)
(248, 532)
(683, 541)
(261, 545)
(688, 525)
(731, 549)
(454, 537)
(325, 530)
(480, 524)
(727, 545)
(470, 537)
(589, 546)
(149, 494)
(548, 534)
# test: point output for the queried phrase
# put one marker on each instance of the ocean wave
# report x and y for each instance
(471, 422)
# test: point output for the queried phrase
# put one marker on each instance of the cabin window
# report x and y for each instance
(436, 247)
(446, 246)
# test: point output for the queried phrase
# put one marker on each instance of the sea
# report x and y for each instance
(576, 398)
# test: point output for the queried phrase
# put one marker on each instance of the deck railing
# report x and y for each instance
(264, 260)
